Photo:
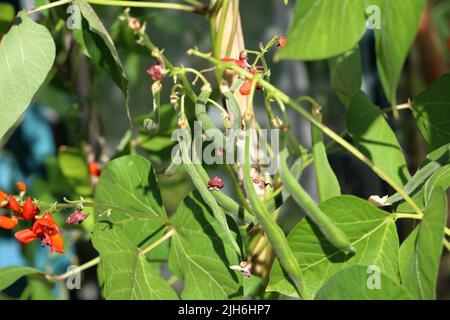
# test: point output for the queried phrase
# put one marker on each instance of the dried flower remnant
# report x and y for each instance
(77, 217)
(157, 71)
(215, 184)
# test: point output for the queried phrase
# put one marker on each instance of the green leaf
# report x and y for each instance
(127, 194)
(399, 24)
(371, 231)
(202, 254)
(440, 179)
(362, 286)
(375, 138)
(127, 274)
(321, 29)
(345, 75)
(327, 183)
(431, 109)
(27, 53)
(73, 166)
(9, 275)
(420, 253)
(432, 162)
(98, 45)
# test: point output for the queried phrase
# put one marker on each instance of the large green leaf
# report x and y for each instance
(431, 109)
(420, 253)
(371, 231)
(375, 138)
(201, 253)
(127, 274)
(345, 75)
(399, 24)
(9, 275)
(322, 29)
(98, 45)
(353, 283)
(27, 53)
(128, 195)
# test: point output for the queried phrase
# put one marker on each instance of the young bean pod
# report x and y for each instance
(205, 120)
(304, 200)
(271, 228)
(200, 185)
(222, 199)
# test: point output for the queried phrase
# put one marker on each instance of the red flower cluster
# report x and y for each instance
(43, 227)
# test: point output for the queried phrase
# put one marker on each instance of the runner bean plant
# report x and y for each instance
(223, 238)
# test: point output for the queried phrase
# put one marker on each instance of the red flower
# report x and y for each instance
(25, 235)
(94, 169)
(13, 204)
(281, 41)
(47, 230)
(29, 211)
(8, 223)
(247, 85)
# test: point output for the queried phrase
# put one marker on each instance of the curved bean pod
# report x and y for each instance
(304, 200)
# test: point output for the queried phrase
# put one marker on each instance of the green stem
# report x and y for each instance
(152, 246)
(75, 271)
(144, 4)
(49, 5)
(219, 35)
(95, 261)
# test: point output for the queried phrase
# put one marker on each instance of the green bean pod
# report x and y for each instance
(304, 200)
(205, 120)
(271, 228)
(233, 106)
(222, 199)
(200, 185)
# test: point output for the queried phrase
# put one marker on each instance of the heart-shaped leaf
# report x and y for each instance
(27, 53)
(202, 254)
